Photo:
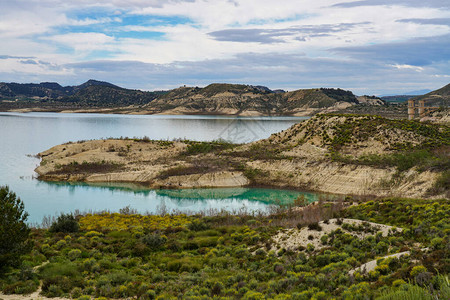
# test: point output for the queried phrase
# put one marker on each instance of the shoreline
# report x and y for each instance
(279, 162)
(124, 111)
(141, 187)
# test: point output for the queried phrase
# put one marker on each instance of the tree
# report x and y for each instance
(65, 223)
(14, 231)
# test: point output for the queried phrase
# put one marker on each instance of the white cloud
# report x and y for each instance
(34, 28)
(410, 67)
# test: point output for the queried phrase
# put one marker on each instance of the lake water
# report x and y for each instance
(23, 135)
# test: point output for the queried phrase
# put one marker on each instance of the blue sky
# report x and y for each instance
(368, 46)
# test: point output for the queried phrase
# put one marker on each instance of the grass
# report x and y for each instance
(185, 170)
(260, 151)
(442, 184)
(87, 167)
(403, 161)
(361, 127)
(194, 148)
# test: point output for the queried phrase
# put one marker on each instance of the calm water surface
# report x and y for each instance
(23, 135)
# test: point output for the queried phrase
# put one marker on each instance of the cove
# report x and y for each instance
(180, 200)
(23, 135)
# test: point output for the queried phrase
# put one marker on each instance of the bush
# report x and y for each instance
(437, 243)
(21, 287)
(417, 270)
(251, 295)
(315, 226)
(74, 254)
(76, 292)
(442, 184)
(154, 240)
(198, 226)
(65, 223)
(14, 231)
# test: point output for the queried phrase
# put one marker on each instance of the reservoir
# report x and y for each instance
(22, 135)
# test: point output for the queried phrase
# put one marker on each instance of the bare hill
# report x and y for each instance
(440, 97)
(249, 100)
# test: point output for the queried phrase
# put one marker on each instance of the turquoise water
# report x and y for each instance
(24, 135)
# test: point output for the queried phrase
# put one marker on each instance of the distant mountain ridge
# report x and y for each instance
(52, 90)
(410, 93)
(397, 98)
(216, 98)
(92, 93)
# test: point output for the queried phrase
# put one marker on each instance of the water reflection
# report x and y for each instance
(29, 133)
(198, 197)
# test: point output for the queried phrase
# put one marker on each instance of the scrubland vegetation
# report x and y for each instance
(231, 255)
(228, 256)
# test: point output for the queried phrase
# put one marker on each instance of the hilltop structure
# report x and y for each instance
(422, 109)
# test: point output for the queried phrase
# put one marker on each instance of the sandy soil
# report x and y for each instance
(140, 162)
(292, 239)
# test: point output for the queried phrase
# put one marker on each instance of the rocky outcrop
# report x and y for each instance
(370, 100)
(234, 99)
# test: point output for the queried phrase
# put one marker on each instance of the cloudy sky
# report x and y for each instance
(367, 46)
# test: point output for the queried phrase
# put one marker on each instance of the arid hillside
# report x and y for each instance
(234, 99)
(216, 99)
(439, 97)
(342, 154)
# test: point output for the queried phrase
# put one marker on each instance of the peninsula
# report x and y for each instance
(333, 153)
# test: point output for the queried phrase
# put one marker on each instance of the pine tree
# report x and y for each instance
(14, 231)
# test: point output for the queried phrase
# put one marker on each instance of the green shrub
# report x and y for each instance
(52, 290)
(315, 226)
(150, 294)
(417, 270)
(77, 292)
(66, 269)
(74, 254)
(175, 265)
(407, 292)
(92, 233)
(154, 241)
(442, 184)
(119, 277)
(65, 223)
(198, 226)
(200, 147)
(60, 244)
(21, 287)
(437, 243)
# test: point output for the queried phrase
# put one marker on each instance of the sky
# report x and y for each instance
(367, 46)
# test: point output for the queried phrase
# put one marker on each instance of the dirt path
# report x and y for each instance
(32, 296)
(371, 265)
